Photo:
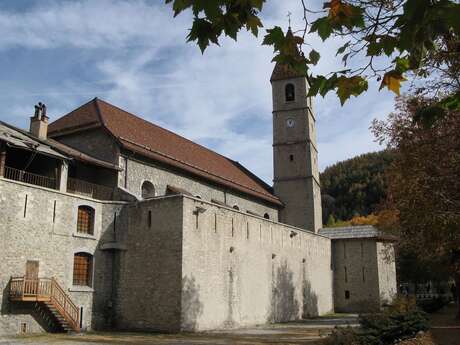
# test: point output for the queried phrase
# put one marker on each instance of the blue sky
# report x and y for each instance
(133, 54)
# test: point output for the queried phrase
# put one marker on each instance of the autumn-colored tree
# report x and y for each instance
(424, 183)
(388, 40)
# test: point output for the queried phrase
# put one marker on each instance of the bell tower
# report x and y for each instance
(295, 154)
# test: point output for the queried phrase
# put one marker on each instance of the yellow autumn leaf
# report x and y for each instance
(339, 9)
(392, 80)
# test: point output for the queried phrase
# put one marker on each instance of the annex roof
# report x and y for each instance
(149, 140)
(355, 232)
(20, 138)
(16, 137)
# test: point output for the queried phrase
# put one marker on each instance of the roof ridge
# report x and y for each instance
(76, 109)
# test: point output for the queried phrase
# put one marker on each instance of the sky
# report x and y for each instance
(134, 55)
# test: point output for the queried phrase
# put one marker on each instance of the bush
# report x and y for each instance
(432, 305)
(401, 321)
(387, 328)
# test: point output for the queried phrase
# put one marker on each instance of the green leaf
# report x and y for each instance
(352, 86)
(274, 37)
(342, 48)
(322, 26)
(389, 44)
(402, 64)
(314, 57)
(373, 48)
(253, 23)
(316, 83)
(203, 32)
(180, 5)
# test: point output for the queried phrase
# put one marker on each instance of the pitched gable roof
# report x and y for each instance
(149, 140)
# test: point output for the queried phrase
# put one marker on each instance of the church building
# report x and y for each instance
(108, 221)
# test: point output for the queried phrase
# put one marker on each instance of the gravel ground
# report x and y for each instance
(309, 332)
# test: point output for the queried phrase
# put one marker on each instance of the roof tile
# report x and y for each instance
(157, 143)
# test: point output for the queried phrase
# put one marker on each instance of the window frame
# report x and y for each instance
(89, 224)
(289, 87)
(150, 194)
(88, 273)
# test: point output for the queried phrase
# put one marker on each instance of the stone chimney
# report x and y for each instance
(39, 122)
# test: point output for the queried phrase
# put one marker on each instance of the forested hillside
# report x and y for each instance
(355, 186)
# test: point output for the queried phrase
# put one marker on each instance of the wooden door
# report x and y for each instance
(32, 268)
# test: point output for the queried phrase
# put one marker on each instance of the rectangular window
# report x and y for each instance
(82, 269)
(347, 294)
(346, 274)
(364, 278)
(85, 220)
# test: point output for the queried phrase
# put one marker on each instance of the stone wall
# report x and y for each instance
(40, 224)
(149, 286)
(96, 143)
(240, 270)
(356, 270)
(138, 172)
(387, 271)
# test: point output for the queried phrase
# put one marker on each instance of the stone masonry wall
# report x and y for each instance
(355, 271)
(43, 228)
(149, 287)
(240, 270)
(138, 172)
(387, 271)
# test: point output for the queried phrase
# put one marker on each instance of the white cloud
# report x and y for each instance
(222, 97)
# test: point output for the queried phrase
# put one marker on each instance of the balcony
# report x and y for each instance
(30, 178)
(88, 189)
(74, 186)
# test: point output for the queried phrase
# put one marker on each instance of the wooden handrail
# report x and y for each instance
(63, 302)
(46, 289)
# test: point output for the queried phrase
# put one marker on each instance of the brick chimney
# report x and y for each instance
(39, 122)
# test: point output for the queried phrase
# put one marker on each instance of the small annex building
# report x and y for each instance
(108, 221)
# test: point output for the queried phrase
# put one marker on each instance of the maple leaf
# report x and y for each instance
(392, 80)
(352, 86)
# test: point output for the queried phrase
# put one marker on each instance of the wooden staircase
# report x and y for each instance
(49, 296)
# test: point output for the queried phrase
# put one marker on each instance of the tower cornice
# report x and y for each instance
(305, 141)
(297, 178)
(275, 112)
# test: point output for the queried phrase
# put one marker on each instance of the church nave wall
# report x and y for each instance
(140, 171)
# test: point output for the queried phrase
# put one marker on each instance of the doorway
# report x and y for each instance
(32, 269)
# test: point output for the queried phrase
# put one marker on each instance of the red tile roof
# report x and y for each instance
(149, 140)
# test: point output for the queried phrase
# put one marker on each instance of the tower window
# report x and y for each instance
(289, 92)
(291, 158)
(266, 216)
(347, 294)
(235, 207)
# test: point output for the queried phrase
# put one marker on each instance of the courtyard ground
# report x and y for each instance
(296, 333)
(444, 327)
